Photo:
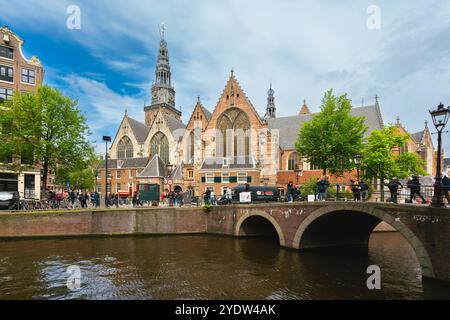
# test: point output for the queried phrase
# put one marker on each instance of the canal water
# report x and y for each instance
(204, 267)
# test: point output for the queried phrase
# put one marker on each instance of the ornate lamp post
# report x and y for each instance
(106, 139)
(440, 118)
(357, 159)
(169, 168)
(298, 172)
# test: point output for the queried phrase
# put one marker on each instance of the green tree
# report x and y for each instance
(333, 137)
(49, 126)
(380, 161)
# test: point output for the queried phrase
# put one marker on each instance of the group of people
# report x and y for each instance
(173, 198)
(360, 190)
(82, 199)
(414, 186)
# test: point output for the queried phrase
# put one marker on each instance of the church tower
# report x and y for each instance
(163, 92)
(271, 109)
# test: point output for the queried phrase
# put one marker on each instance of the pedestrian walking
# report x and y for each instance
(290, 192)
(356, 189)
(394, 186)
(364, 191)
(414, 187)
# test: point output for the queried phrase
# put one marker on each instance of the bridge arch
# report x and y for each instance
(377, 216)
(265, 216)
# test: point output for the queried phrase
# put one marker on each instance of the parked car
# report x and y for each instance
(9, 200)
(258, 193)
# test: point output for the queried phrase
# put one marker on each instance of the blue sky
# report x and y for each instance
(304, 47)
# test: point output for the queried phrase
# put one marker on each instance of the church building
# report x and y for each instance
(216, 150)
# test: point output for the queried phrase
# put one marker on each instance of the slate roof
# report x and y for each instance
(154, 169)
(289, 126)
(418, 136)
(207, 113)
(177, 174)
(174, 125)
(216, 163)
(140, 130)
(127, 163)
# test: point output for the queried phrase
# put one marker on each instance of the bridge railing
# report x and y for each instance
(342, 192)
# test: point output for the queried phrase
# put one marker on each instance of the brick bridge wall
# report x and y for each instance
(299, 226)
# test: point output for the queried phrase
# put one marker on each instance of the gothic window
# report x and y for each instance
(125, 148)
(233, 134)
(160, 145)
(294, 161)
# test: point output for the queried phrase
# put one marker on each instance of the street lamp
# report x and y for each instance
(169, 168)
(106, 139)
(298, 173)
(440, 117)
(357, 159)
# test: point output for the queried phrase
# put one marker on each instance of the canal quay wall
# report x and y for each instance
(298, 225)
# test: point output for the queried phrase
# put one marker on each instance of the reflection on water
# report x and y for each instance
(203, 267)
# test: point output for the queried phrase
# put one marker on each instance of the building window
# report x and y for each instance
(6, 52)
(225, 177)
(108, 189)
(5, 94)
(210, 188)
(130, 174)
(28, 76)
(294, 161)
(118, 187)
(99, 187)
(6, 73)
(242, 177)
(233, 134)
(118, 174)
(125, 148)
(209, 177)
(160, 145)
(191, 174)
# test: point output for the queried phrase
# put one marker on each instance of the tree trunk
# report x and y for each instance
(382, 189)
(44, 177)
(324, 171)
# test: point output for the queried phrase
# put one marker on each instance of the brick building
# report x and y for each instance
(17, 73)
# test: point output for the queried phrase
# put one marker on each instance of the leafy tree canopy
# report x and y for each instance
(50, 126)
(333, 137)
(381, 162)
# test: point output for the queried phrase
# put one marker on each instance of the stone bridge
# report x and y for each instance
(296, 226)
(340, 224)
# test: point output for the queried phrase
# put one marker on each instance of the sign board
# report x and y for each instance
(169, 182)
(311, 198)
(149, 192)
(245, 197)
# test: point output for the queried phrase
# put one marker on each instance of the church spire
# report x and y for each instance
(304, 110)
(163, 92)
(271, 109)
